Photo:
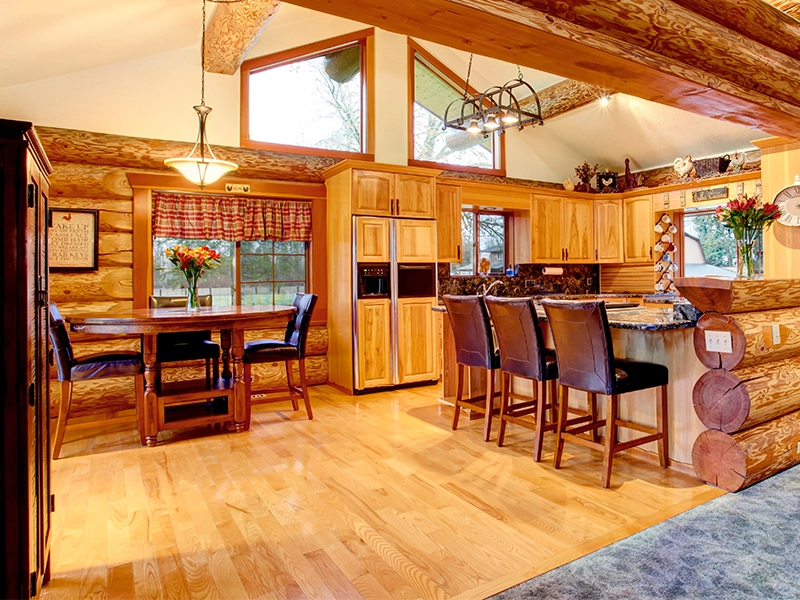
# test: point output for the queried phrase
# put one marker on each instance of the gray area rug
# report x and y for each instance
(738, 546)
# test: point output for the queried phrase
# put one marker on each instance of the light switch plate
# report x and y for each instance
(719, 341)
(776, 334)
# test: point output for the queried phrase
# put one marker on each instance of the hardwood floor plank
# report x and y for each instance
(375, 498)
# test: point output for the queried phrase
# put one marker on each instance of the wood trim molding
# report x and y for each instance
(413, 162)
(233, 30)
(142, 246)
(273, 189)
(384, 168)
(364, 38)
(774, 142)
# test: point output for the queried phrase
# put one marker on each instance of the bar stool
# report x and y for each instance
(186, 345)
(522, 354)
(474, 348)
(291, 348)
(586, 362)
(95, 366)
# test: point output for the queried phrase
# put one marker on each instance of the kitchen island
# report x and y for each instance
(646, 334)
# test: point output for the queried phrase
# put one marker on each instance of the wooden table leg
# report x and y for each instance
(225, 343)
(149, 404)
(240, 412)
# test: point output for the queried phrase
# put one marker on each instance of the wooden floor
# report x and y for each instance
(375, 498)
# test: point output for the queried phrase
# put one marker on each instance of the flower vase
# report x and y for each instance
(193, 302)
(745, 246)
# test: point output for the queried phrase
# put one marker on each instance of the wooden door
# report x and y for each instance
(414, 196)
(448, 223)
(578, 230)
(416, 241)
(373, 193)
(546, 243)
(417, 337)
(372, 240)
(638, 229)
(374, 343)
(608, 224)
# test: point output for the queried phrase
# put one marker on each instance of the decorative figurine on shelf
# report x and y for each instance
(738, 161)
(193, 262)
(684, 167)
(724, 163)
(484, 266)
(607, 182)
(630, 178)
(568, 185)
(585, 172)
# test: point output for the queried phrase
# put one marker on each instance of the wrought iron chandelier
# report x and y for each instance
(201, 166)
(496, 109)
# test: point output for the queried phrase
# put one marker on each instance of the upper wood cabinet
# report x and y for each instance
(372, 240)
(562, 229)
(416, 241)
(448, 223)
(386, 194)
(638, 219)
(608, 228)
(417, 336)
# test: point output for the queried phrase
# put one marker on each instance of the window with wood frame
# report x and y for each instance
(484, 236)
(310, 100)
(432, 88)
(709, 248)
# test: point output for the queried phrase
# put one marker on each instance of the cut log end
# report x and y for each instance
(721, 401)
(719, 460)
(724, 324)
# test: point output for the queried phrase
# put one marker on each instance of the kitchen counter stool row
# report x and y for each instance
(583, 360)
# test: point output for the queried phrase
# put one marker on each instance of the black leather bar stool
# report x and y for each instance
(95, 366)
(522, 354)
(293, 347)
(474, 348)
(186, 345)
(586, 362)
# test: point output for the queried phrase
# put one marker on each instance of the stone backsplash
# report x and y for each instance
(530, 281)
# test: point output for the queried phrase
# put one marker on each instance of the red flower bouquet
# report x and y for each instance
(193, 262)
(747, 217)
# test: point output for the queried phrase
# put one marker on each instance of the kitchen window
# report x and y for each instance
(434, 88)
(311, 99)
(710, 249)
(260, 273)
(484, 236)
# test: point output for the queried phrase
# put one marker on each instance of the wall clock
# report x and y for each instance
(788, 200)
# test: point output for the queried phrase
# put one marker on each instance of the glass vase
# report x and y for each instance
(193, 302)
(745, 247)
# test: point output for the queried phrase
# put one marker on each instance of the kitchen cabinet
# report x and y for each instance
(374, 343)
(416, 241)
(372, 240)
(638, 217)
(608, 227)
(448, 223)
(562, 229)
(417, 335)
(385, 194)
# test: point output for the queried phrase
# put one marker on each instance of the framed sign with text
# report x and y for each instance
(73, 240)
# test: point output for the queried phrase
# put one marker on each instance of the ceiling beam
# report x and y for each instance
(790, 7)
(564, 96)
(653, 49)
(232, 31)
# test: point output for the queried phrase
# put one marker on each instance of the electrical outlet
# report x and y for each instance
(530, 282)
(719, 341)
(797, 448)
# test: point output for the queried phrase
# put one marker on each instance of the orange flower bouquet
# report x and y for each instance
(193, 262)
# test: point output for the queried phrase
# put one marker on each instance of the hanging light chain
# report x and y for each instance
(466, 83)
(519, 73)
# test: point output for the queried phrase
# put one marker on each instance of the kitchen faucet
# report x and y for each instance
(485, 290)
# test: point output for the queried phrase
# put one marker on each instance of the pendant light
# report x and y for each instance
(201, 167)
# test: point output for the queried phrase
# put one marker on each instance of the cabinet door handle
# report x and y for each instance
(595, 255)
(397, 205)
(566, 253)
(459, 252)
(391, 211)
(651, 253)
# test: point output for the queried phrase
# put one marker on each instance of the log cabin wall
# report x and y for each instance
(88, 173)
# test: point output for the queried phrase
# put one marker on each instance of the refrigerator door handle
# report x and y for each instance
(393, 304)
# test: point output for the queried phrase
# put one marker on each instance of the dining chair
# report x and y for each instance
(186, 345)
(524, 356)
(95, 366)
(291, 348)
(472, 332)
(586, 362)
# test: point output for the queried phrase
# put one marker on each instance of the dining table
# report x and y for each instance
(164, 406)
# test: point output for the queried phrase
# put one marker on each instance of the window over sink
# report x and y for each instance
(484, 236)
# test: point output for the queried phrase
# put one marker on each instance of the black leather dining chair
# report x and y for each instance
(586, 362)
(95, 366)
(472, 332)
(291, 348)
(523, 355)
(186, 345)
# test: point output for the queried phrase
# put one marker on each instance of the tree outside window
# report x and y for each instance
(483, 235)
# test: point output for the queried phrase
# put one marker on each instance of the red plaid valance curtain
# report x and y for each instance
(231, 218)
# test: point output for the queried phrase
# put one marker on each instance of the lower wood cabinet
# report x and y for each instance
(374, 343)
(417, 335)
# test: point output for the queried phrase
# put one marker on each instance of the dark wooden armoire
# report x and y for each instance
(26, 499)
